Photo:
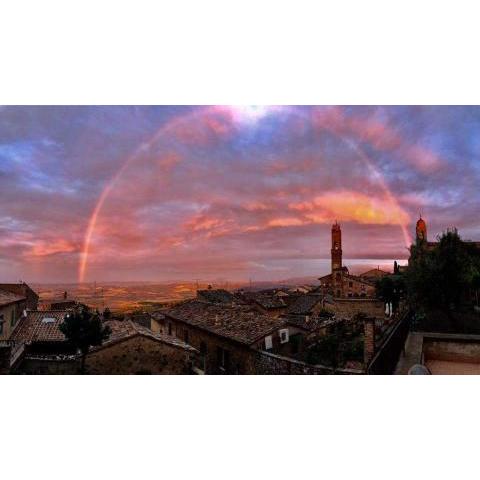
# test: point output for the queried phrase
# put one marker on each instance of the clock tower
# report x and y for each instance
(336, 247)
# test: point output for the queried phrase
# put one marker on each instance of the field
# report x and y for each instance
(122, 297)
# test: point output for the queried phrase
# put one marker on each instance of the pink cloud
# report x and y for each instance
(44, 248)
(378, 134)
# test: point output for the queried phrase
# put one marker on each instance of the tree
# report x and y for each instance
(390, 289)
(440, 278)
(107, 313)
(84, 329)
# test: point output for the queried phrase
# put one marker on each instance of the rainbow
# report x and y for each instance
(166, 128)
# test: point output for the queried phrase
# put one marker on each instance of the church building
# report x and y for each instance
(422, 238)
(340, 283)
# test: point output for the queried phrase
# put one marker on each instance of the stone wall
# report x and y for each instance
(452, 348)
(9, 315)
(137, 355)
(208, 344)
(239, 355)
(31, 365)
(349, 307)
(134, 355)
(265, 363)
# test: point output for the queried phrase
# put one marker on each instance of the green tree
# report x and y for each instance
(84, 329)
(441, 277)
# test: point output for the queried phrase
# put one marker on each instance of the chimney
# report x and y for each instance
(368, 340)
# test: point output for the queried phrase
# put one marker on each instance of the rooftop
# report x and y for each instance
(374, 272)
(310, 323)
(19, 289)
(217, 296)
(43, 327)
(240, 323)
(267, 300)
(40, 327)
(6, 298)
(122, 330)
(304, 304)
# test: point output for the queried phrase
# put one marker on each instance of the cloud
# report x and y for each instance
(214, 194)
(379, 135)
(42, 249)
(350, 206)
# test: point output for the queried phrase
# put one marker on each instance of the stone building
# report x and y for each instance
(133, 349)
(22, 290)
(58, 304)
(12, 307)
(340, 283)
(226, 336)
(39, 347)
(374, 275)
(421, 237)
(268, 302)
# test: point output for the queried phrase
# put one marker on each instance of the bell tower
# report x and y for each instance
(336, 247)
(421, 231)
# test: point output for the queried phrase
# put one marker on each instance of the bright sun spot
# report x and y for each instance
(251, 113)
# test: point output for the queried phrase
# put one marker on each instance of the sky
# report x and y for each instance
(174, 193)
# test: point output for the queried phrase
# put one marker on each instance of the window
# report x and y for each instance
(223, 358)
(170, 328)
(1, 323)
(185, 335)
(12, 318)
(203, 348)
(350, 284)
(284, 335)
(268, 343)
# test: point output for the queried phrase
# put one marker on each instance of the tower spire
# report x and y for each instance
(336, 247)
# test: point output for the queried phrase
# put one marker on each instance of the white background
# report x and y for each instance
(244, 52)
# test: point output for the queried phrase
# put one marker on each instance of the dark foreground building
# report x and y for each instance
(37, 346)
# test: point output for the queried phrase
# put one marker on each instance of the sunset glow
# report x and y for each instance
(160, 193)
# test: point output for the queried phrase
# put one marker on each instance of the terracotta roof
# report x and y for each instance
(267, 300)
(240, 323)
(40, 327)
(122, 330)
(217, 296)
(304, 305)
(374, 273)
(312, 323)
(19, 289)
(33, 328)
(6, 298)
